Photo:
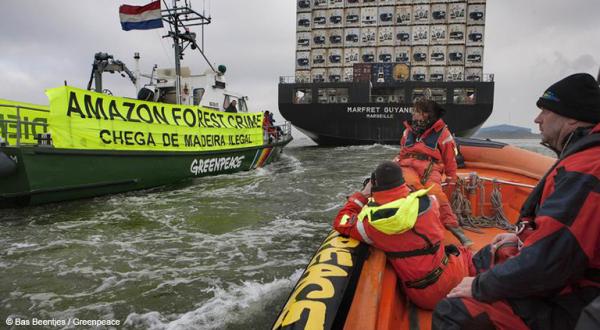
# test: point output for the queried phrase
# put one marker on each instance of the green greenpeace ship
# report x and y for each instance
(90, 143)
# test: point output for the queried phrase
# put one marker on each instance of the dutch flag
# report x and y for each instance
(141, 17)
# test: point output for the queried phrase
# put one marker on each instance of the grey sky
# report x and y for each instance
(529, 44)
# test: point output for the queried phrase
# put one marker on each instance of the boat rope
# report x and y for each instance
(498, 217)
(463, 208)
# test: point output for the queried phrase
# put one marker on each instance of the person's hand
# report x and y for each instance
(463, 289)
(504, 238)
(367, 190)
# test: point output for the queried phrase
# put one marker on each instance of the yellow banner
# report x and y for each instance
(34, 120)
(80, 119)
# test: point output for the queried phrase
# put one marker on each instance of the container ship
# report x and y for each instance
(360, 65)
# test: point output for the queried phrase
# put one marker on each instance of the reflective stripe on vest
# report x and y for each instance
(395, 217)
(448, 139)
(357, 202)
(344, 219)
(363, 233)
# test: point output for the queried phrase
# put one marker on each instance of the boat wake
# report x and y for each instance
(367, 147)
(289, 164)
(230, 306)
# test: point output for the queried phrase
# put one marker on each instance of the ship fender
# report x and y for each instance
(7, 165)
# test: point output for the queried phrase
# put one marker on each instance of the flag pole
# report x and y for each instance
(177, 55)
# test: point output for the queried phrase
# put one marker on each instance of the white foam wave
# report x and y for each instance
(359, 147)
(251, 188)
(19, 247)
(300, 142)
(288, 161)
(232, 305)
(107, 283)
(392, 147)
(36, 248)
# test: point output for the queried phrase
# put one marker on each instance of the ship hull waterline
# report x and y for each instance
(337, 126)
(46, 175)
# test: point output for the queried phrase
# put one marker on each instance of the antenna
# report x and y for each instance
(180, 19)
(203, 13)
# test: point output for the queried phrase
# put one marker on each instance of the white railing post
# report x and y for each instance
(18, 125)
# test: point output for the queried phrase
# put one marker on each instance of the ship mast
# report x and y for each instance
(180, 19)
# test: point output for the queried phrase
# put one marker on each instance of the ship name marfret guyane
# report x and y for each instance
(378, 109)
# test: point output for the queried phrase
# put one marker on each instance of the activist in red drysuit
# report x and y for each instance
(268, 128)
(556, 271)
(427, 150)
(405, 225)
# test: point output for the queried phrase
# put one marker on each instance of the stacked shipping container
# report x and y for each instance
(437, 40)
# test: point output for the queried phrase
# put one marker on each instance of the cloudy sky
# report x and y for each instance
(529, 44)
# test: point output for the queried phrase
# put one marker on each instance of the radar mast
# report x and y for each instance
(180, 19)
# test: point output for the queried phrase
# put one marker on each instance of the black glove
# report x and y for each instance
(365, 182)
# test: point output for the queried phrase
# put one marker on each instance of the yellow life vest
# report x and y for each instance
(394, 217)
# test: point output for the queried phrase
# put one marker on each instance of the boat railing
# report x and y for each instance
(307, 79)
(486, 77)
(21, 124)
(278, 133)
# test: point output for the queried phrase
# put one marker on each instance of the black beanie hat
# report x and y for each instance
(576, 96)
(387, 175)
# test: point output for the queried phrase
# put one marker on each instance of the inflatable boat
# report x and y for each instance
(349, 285)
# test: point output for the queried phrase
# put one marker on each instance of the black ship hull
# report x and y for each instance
(362, 117)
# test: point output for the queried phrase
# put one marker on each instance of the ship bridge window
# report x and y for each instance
(333, 95)
(228, 99)
(465, 96)
(435, 94)
(388, 96)
(302, 96)
(198, 94)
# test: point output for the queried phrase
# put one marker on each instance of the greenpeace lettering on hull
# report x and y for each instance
(201, 166)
